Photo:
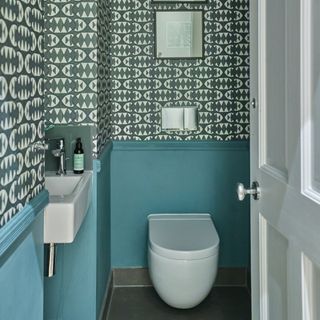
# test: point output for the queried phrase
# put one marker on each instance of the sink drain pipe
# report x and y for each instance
(51, 260)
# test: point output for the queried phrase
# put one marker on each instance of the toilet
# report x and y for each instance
(183, 257)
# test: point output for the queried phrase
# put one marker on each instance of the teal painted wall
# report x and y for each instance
(21, 263)
(83, 267)
(21, 277)
(155, 177)
(102, 167)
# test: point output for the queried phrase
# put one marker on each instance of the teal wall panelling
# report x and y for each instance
(16, 227)
(21, 106)
(21, 263)
(103, 177)
(162, 177)
(21, 278)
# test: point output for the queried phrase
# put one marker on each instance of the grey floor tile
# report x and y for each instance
(223, 303)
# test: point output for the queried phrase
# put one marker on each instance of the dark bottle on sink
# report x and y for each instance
(78, 158)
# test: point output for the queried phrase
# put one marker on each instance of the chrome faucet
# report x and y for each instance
(61, 154)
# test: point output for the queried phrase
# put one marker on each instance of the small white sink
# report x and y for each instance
(69, 200)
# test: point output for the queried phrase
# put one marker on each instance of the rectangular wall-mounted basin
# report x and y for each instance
(69, 200)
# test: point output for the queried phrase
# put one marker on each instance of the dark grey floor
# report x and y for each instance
(143, 303)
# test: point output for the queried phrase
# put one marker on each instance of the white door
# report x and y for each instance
(285, 159)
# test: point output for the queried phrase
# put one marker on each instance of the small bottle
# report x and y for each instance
(78, 158)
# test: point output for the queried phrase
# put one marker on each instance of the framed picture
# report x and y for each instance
(179, 34)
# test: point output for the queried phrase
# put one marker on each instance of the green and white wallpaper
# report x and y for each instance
(77, 67)
(21, 105)
(104, 74)
(218, 84)
(101, 70)
(71, 61)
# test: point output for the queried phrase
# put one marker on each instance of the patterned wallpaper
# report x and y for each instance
(77, 76)
(100, 69)
(21, 106)
(70, 53)
(104, 68)
(218, 84)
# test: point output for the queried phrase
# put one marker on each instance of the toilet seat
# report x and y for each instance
(183, 236)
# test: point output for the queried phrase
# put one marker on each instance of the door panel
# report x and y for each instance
(315, 95)
(277, 247)
(310, 111)
(273, 115)
(273, 272)
(285, 159)
(310, 289)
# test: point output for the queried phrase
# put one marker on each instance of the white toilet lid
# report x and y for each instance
(183, 236)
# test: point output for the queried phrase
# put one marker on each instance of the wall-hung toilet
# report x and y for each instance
(183, 257)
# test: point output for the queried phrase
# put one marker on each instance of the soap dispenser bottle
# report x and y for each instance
(78, 158)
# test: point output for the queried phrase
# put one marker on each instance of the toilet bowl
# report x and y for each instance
(183, 257)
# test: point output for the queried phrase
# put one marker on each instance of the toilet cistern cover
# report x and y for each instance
(183, 236)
